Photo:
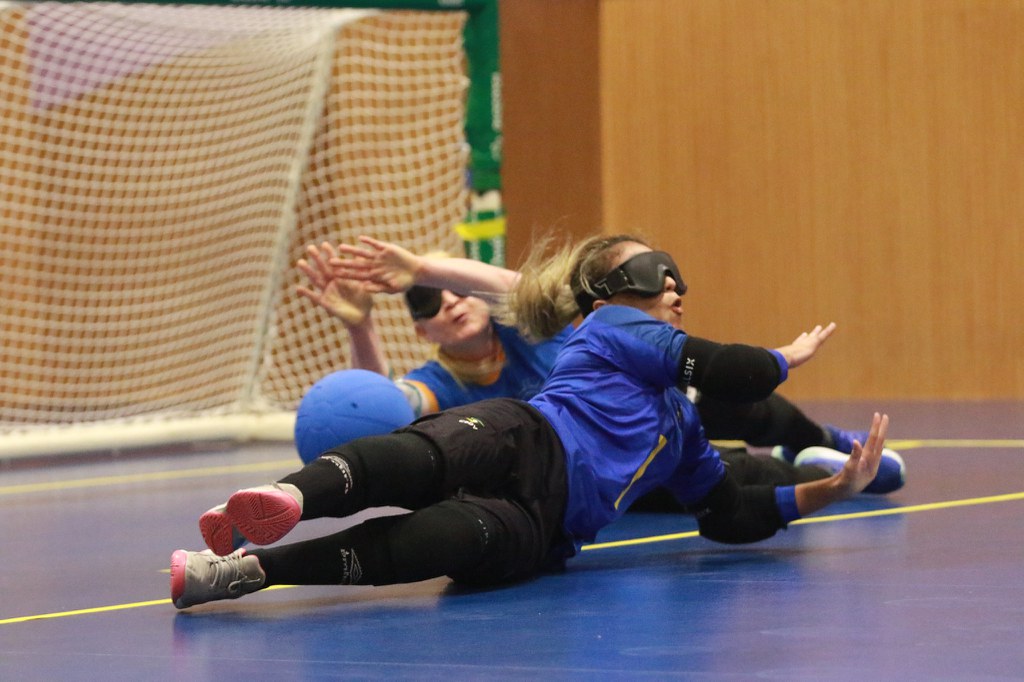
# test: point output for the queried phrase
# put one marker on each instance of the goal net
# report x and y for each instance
(162, 168)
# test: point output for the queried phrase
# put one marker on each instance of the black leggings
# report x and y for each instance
(448, 538)
(486, 506)
(773, 421)
(486, 487)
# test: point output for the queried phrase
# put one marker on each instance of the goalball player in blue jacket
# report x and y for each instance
(503, 489)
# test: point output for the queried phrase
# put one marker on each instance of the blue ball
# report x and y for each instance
(346, 405)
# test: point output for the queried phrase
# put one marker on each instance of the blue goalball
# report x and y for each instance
(344, 405)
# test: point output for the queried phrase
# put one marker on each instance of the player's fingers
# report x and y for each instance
(857, 452)
(311, 295)
(370, 241)
(883, 430)
(869, 442)
(877, 434)
(317, 257)
(357, 269)
(356, 251)
(314, 276)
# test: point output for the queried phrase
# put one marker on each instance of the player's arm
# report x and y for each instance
(387, 267)
(467, 276)
(732, 513)
(347, 300)
(420, 397)
(741, 373)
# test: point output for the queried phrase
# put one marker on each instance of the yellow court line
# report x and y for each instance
(80, 612)
(931, 506)
(243, 468)
(104, 609)
(140, 478)
(639, 541)
(908, 444)
(911, 444)
(601, 545)
(1011, 497)
(915, 443)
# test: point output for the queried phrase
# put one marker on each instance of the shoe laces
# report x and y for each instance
(229, 572)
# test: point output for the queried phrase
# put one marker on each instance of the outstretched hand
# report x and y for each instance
(806, 345)
(859, 469)
(862, 466)
(347, 299)
(381, 266)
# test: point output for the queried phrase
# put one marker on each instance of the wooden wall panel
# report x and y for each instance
(810, 161)
(552, 171)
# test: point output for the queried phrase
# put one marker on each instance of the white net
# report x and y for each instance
(161, 170)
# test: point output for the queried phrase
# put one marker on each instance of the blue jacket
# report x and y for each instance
(627, 428)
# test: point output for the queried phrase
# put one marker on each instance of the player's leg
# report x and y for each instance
(774, 422)
(747, 469)
(428, 543)
(487, 447)
(766, 423)
(475, 540)
(481, 541)
(400, 469)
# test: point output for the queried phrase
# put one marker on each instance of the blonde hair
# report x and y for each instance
(542, 303)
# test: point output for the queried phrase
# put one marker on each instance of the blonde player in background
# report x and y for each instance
(445, 297)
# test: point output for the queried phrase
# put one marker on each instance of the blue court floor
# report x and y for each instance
(926, 584)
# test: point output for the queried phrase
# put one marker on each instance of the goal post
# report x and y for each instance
(163, 166)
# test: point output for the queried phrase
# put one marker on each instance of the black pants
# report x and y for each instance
(773, 421)
(502, 457)
(486, 484)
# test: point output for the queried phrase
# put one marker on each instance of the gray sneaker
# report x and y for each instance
(199, 577)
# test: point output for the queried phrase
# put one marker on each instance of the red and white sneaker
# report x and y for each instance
(219, 533)
(265, 514)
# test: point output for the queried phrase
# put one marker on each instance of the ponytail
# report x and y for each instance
(542, 303)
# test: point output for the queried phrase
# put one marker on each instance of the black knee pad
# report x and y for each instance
(515, 543)
(393, 470)
(734, 514)
(446, 538)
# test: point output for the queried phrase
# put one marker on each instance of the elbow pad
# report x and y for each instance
(734, 514)
(730, 372)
